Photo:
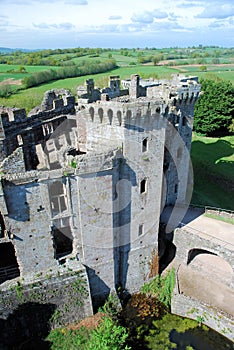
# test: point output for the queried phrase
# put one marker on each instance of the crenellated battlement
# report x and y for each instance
(16, 120)
(121, 112)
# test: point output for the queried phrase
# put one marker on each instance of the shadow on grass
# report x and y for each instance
(27, 327)
(213, 176)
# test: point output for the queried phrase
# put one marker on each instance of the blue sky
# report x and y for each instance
(33, 24)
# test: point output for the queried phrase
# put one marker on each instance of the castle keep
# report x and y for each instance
(83, 183)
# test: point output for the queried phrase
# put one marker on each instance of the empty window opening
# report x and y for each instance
(2, 226)
(119, 117)
(9, 267)
(129, 114)
(184, 121)
(158, 110)
(57, 198)
(100, 113)
(141, 230)
(47, 129)
(110, 115)
(91, 112)
(74, 152)
(63, 240)
(176, 189)
(145, 145)
(20, 140)
(143, 186)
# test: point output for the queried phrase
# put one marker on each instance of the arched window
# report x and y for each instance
(91, 112)
(129, 114)
(119, 117)
(158, 110)
(110, 115)
(100, 113)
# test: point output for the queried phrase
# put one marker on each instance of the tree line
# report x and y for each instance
(57, 57)
(85, 68)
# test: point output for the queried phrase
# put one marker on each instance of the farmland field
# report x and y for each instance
(13, 71)
(225, 72)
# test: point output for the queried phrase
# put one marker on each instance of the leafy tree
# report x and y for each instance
(214, 109)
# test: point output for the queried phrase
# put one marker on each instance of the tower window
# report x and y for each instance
(143, 186)
(184, 121)
(145, 145)
(141, 230)
(176, 188)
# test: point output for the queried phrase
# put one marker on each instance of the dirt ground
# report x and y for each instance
(90, 322)
(11, 81)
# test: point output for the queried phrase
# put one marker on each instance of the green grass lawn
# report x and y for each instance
(5, 71)
(213, 72)
(213, 165)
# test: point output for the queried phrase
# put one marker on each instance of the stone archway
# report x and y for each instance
(210, 265)
(195, 252)
(207, 277)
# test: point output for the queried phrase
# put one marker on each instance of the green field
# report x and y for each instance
(126, 59)
(213, 72)
(12, 71)
(213, 161)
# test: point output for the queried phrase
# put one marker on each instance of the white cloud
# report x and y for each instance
(159, 14)
(214, 11)
(115, 17)
(81, 21)
(63, 26)
(145, 17)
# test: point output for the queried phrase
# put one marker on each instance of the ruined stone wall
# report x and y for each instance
(30, 310)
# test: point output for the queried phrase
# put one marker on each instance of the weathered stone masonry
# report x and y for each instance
(83, 184)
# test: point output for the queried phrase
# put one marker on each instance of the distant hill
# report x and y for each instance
(7, 50)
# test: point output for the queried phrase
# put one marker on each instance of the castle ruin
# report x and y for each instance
(83, 183)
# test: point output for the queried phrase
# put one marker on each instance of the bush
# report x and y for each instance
(109, 335)
(161, 287)
(214, 109)
(5, 90)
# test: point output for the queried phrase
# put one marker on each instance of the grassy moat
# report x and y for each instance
(166, 333)
(212, 160)
(144, 322)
